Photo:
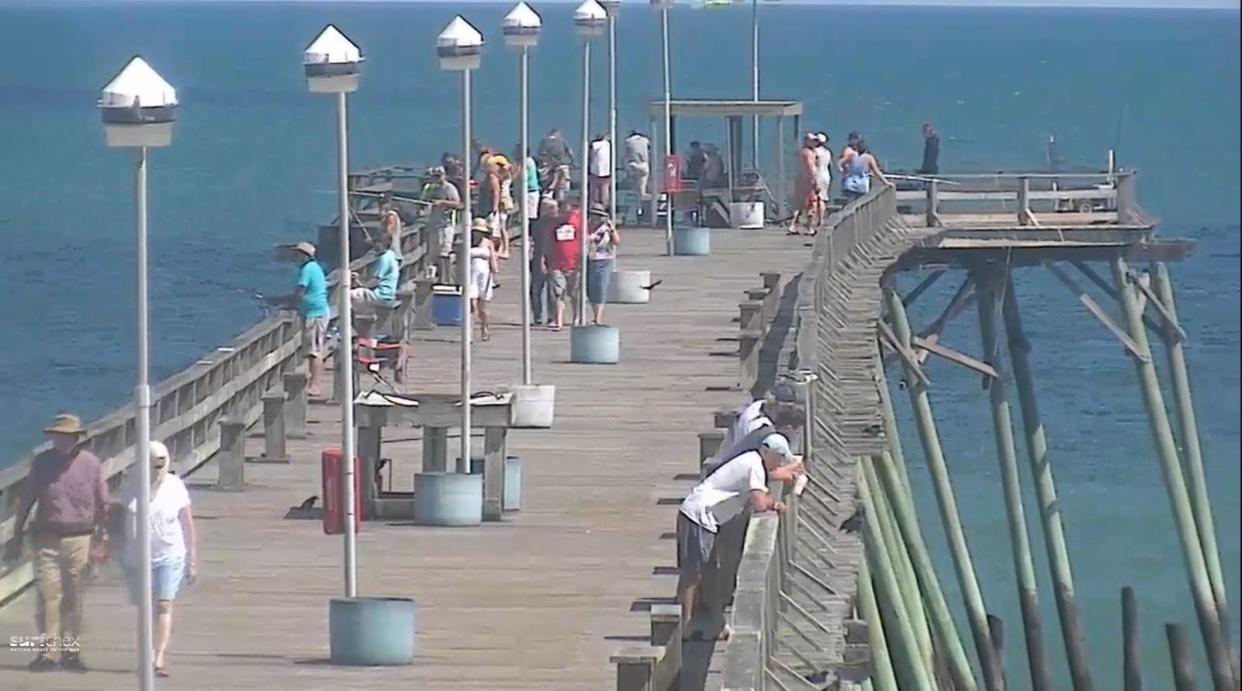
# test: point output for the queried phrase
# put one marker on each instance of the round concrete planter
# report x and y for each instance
(371, 631)
(448, 499)
(594, 345)
(629, 288)
(692, 241)
(533, 406)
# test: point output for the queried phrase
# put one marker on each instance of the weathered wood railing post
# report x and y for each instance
(761, 295)
(932, 213)
(295, 404)
(636, 668)
(750, 315)
(1024, 201)
(274, 446)
(422, 303)
(232, 455)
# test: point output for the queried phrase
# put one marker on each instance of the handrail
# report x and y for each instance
(227, 382)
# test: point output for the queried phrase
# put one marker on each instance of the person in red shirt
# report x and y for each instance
(563, 245)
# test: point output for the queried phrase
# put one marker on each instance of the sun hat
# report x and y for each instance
(65, 424)
(500, 160)
(777, 444)
(305, 248)
(480, 226)
(159, 450)
(435, 170)
(822, 137)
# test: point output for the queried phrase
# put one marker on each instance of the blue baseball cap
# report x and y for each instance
(777, 444)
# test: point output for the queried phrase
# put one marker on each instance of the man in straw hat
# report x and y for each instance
(310, 297)
(66, 482)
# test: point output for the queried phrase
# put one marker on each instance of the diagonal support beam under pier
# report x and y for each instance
(954, 356)
(1098, 312)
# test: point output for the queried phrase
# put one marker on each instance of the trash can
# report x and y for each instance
(333, 506)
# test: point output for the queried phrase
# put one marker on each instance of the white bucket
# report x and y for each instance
(532, 406)
(747, 215)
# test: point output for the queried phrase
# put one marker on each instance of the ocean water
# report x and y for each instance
(253, 159)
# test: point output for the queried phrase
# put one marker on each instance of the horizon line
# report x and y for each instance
(1198, 5)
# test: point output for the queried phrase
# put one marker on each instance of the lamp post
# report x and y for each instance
(663, 6)
(521, 30)
(612, 7)
(137, 108)
(460, 49)
(589, 19)
(332, 64)
(754, 81)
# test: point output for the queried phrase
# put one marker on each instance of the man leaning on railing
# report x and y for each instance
(715, 501)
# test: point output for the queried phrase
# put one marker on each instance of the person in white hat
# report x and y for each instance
(716, 500)
(174, 546)
(310, 297)
(484, 262)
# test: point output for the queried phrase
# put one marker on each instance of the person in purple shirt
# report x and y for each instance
(67, 483)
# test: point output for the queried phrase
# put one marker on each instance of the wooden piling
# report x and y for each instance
(1179, 651)
(905, 652)
(906, 580)
(1132, 670)
(295, 404)
(941, 619)
(881, 662)
(1175, 483)
(1007, 455)
(1045, 492)
(892, 436)
(1192, 453)
(231, 463)
(925, 421)
(996, 629)
(274, 446)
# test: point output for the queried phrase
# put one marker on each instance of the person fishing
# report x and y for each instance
(857, 167)
(443, 201)
(931, 151)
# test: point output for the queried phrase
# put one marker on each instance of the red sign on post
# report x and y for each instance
(672, 173)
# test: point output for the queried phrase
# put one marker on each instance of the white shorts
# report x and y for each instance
(446, 236)
(480, 283)
(532, 205)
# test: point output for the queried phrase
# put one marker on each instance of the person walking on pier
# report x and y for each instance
(715, 501)
(601, 258)
(858, 165)
(542, 235)
(484, 265)
(806, 195)
(174, 546)
(823, 180)
(443, 201)
(558, 158)
(67, 484)
(561, 259)
(310, 296)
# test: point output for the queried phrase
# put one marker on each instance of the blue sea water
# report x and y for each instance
(252, 166)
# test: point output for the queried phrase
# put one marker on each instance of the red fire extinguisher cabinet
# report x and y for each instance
(333, 502)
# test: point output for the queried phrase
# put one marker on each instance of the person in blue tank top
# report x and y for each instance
(857, 166)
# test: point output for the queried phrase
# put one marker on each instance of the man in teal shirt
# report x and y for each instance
(310, 296)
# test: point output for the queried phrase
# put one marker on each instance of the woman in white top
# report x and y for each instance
(483, 268)
(173, 545)
(823, 179)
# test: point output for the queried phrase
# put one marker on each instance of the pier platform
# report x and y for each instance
(537, 601)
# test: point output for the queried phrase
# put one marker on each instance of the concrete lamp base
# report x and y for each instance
(629, 288)
(448, 499)
(691, 241)
(371, 631)
(533, 406)
(594, 345)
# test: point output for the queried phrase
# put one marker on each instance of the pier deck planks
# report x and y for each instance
(537, 602)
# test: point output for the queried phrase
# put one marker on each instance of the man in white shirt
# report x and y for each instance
(754, 415)
(637, 162)
(599, 171)
(716, 500)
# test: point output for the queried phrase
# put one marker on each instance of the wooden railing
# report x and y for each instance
(1034, 199)
(188, 408)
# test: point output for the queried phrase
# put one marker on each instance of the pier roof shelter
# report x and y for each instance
(734, 113)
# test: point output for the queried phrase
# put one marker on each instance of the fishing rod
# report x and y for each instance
(921, 178)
